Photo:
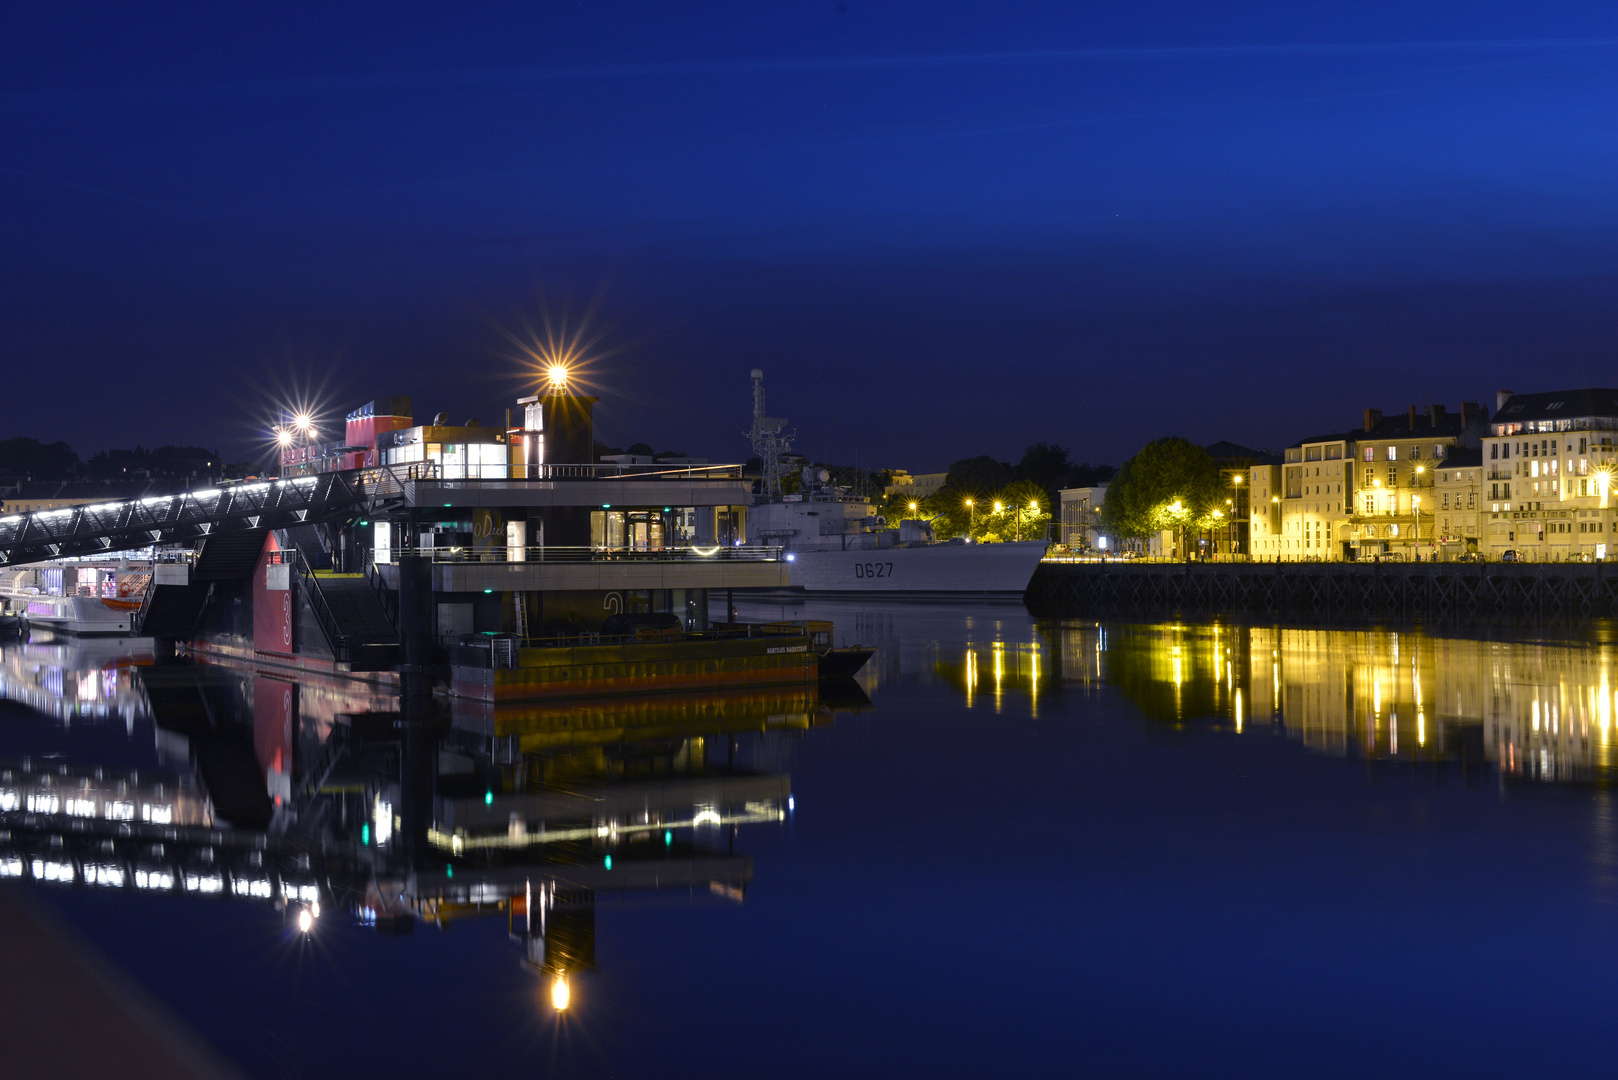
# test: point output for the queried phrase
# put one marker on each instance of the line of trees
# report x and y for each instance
(991, 501)
(23, 458)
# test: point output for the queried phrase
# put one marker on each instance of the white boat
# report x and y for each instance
(836, 543)
(77, 596)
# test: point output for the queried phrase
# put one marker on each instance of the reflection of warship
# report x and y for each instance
(536, 814)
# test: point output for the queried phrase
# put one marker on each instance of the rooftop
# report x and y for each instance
(1558, 405)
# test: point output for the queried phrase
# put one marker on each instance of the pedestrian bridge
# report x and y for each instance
(79, 531)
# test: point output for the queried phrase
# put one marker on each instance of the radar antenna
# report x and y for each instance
(769, 438)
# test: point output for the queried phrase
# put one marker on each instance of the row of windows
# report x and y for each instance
(1391, 452)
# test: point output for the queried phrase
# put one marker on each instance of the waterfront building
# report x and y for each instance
(1547, 465)
(1456, 502)
(1079, 518)
(1264, 510)
(1316, 474)
(1397, 459)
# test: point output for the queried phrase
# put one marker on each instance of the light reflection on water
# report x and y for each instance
(556, 818)
(1540, 710)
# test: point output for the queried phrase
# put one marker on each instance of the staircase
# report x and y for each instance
(228, 557)
(351, 615)
(172, 611)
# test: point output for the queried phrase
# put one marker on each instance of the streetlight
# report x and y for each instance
(1415, 508)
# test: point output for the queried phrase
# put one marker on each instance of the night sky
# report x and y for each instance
(941, 229)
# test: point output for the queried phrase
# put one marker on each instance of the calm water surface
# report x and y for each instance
(1054, 849)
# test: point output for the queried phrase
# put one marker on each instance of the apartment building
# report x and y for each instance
(1264, 516)
(1317, 480)
(1547, 464)
(1397, 459)
(1457, 503)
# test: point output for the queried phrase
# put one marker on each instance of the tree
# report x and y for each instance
(23, 456)
(1171, 484)
(977, 477)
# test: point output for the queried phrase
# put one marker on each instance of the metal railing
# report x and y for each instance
(567, 554)
(433, 472)
(317, 601)
(389, 598)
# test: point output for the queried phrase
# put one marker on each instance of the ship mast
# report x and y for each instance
(769, 438)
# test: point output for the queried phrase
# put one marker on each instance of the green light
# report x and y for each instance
(488, 798)
(365, 523)
(449, 871)
(365, 835)
(606, 506)
(446, 504)
(668, 837)
(666, 509)
(609, 862)
(487, 591)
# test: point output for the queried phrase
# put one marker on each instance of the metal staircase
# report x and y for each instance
(350, 614)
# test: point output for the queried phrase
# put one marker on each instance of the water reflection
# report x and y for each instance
(1540, 710)
(317, 797)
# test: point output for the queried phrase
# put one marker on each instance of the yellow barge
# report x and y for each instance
(579, 668)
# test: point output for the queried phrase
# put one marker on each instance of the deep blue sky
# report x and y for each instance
(942, 229)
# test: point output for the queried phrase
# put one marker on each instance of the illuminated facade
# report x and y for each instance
(1547, 466)
(1080, 518)
(1264, 511)
(1456, 502)
(1314, 514)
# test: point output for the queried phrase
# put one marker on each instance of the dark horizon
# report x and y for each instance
(940, 232)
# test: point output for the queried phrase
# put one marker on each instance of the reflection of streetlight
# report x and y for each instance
(561, 994)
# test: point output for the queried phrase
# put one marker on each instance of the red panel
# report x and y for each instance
(272, 608)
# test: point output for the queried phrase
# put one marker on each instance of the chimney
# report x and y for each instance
(1500, 399)
(1412, 418)
(1373, 417)
(1436, 414)
(1472, 413)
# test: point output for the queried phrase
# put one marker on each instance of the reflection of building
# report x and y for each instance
(1535, 710)
(531, 813)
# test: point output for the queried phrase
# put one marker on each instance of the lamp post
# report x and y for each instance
(1230, 531)
(1415, 509)
(970, 519)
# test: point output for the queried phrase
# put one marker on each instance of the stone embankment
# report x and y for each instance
(1357, 590)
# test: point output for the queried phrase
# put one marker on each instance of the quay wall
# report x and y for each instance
(1358, 590)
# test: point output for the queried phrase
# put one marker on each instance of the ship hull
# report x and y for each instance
(83, 615)
(934, 569)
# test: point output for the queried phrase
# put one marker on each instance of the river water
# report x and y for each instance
(1015, 848)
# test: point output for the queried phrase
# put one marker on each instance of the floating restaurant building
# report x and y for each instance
(550, 574)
